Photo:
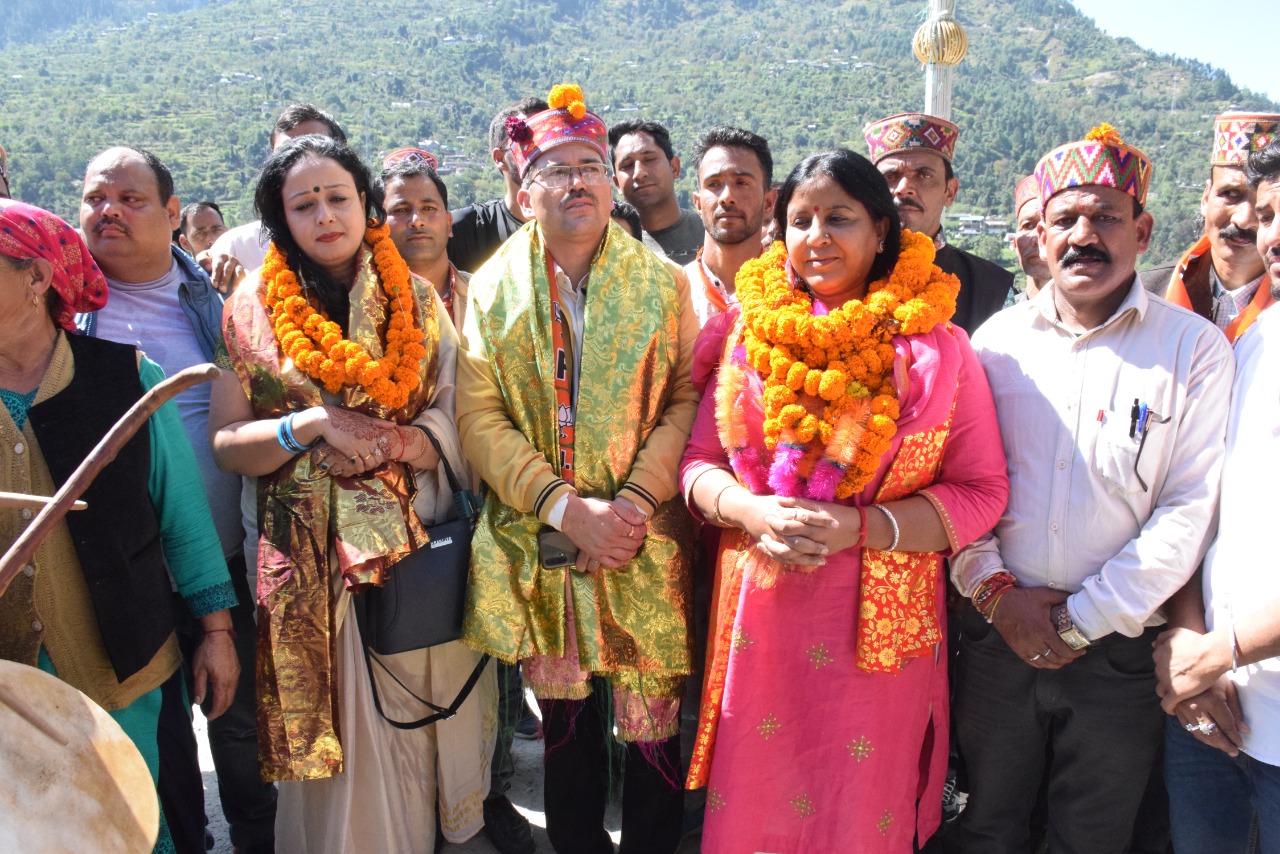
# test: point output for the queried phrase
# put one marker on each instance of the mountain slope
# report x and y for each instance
(201, 87)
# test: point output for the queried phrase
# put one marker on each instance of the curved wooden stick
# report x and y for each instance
(25, 546)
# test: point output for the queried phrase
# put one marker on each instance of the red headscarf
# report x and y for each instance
(27, 231)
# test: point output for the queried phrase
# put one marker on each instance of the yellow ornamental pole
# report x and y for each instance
(940, 44)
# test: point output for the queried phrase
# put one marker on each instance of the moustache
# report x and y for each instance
(113, 223)
(1078, 253)
(907, 203)
(1234, 232)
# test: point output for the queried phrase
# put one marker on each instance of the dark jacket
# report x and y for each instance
(984, 286)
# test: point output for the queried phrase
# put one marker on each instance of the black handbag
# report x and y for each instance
(421, 603)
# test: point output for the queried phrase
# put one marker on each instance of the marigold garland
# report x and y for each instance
(316, 344)
(841, 361)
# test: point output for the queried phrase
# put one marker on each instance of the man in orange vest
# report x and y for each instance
(1221, 277)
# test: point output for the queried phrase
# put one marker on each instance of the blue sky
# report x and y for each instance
(1239, 39)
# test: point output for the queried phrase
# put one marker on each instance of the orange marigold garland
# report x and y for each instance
(316, 344)
(840, 362)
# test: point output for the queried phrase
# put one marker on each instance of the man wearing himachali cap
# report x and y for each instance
(1221, 277)
(574, 405)
(1027, 216)
(1112, 408)
(913, 151)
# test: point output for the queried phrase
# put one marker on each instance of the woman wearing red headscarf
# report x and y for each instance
(93, 606)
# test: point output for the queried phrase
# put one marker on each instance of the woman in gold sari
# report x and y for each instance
(339, 361)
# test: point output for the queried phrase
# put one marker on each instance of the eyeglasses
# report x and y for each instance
(558, 177)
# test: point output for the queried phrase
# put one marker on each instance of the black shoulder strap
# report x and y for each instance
(441, 713)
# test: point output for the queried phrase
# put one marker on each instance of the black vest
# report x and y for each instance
(117, 538)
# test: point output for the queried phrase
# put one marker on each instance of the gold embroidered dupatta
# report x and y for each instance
(315, 529)
(634, 621)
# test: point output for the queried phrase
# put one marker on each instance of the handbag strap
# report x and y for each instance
(440, 713)
(465, 504)
(454, 485)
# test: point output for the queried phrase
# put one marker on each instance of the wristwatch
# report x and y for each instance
(1066, 628)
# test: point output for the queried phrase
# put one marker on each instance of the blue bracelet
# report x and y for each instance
(288, 441)
(282, 436)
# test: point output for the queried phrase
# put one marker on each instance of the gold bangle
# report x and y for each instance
(715, 506)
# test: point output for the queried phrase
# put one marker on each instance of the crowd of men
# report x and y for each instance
(1135, 615)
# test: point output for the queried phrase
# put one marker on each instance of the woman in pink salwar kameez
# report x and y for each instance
(824, 718)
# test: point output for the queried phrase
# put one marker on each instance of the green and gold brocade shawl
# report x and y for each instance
(636, 618)
(314, 527)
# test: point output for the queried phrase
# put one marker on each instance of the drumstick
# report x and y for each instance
(28, 714)
(31, 502)
(105, 451)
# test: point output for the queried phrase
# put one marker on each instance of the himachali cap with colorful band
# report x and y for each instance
(416, 155)
(1026, 191)
(911, 132)
(568, 120)
(1237, 135)
(1101, 159)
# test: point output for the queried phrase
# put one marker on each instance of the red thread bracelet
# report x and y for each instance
(862, 531)
(231, 632)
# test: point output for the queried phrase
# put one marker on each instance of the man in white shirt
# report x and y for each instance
(734, 170)
(1112, 407)
(1223, 653)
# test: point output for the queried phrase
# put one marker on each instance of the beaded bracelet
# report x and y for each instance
(893, 546)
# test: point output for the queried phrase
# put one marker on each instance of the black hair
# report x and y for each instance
(659, 133)
(415, 168)
(861, 180)
(731, 137)
(625, 211)
(1263, 165)
(296, 114)
(164, 178)
(192, 208)
(498, 125)
(268, 203)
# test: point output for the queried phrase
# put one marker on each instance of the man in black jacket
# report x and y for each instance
(913, 151)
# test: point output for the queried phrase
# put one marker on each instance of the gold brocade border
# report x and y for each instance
(897, 611)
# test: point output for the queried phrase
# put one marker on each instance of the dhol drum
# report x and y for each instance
(72, 779)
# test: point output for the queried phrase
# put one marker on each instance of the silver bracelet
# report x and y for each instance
(893, 546)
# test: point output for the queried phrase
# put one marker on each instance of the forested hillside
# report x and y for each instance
(200, 83)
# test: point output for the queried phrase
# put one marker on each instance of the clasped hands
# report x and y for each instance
(607, 533)
(796, 530)
(351, 444)
(1191, 680)
(1023, 617)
